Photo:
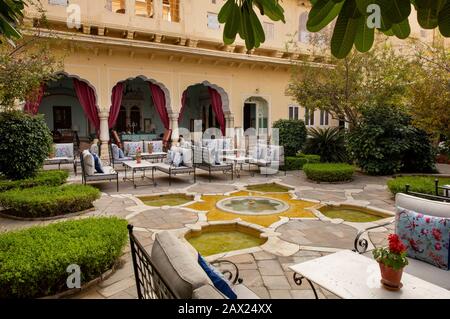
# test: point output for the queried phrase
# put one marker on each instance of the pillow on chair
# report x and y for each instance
(217, 278)
(427, 237)
(98, 164)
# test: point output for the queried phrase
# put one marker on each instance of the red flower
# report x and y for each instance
(437, 234)
(396, 245)
(428, 219)
(438, 246)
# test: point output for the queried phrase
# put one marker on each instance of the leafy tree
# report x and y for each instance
(328, 142)
(292, 134)
(379, 76)
(429, 95)
(23, 68)
(384, 142)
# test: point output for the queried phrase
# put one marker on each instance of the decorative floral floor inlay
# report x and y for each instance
(297, 208)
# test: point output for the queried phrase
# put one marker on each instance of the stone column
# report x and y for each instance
(229, 120)
(173, 117)
(104, 135)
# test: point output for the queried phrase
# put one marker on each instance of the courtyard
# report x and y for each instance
(264, 269)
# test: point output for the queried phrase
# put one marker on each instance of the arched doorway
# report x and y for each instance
(69, 107)
(139, 109)
(256, 114)
(205, 102)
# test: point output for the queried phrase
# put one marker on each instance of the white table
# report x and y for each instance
(238, 161)
(352, 276)
(139, 167)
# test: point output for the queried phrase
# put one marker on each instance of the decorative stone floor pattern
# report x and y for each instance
(264, 269)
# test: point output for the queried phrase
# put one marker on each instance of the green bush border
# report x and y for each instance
(48, 201)
(43, 178)
(33, 261)
(419, 184)
(329, 172)
(296, 163)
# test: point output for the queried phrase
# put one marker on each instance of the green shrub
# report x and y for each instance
(385, 143)
(292, 135)
(33, 261)
(328, 143)
(420, 184)
(329, 172)
(48, 201)
(294, 163)
(25, 142)
(43, 178)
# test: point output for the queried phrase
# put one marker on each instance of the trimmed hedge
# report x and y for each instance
(292, 134)
(33, 261)
(25, 142)
(43, 178)
(329, 172)
(420, 184)
(294, 163)
(48, 201)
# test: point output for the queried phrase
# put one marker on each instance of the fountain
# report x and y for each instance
(252, 205)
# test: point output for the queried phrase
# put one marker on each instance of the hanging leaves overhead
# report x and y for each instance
(240, 18)
(11, 12)
(351, 29)
(352, 26)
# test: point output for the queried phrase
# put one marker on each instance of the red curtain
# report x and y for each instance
(116, 102)
(159, 100)
(216, 102)
(32, 105)
(86, 96)
(183, 106)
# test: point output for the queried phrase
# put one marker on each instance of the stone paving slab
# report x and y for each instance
(267, 274)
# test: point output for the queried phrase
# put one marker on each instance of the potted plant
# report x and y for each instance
(392, 261)
(52, 153)
(138, 155)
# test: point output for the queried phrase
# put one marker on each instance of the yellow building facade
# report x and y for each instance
(177, 45)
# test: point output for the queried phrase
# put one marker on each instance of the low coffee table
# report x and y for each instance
(350, 275)
(141, 167)
(238, 161)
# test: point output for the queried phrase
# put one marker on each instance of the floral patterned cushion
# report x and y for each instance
(157, 146)
(64, 150)
(132, 147)
(427, 237)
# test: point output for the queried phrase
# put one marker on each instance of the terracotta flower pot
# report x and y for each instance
(138, 160)
(390, 277)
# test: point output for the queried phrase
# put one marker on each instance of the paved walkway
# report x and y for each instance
(265, 268)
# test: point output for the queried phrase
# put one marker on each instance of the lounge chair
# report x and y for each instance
(89, 174)
(64, 154)
(172, 271)
(206, 160)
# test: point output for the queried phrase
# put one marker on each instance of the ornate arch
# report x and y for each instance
(153, 81)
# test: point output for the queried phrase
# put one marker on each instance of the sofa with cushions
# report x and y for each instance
(269, 158)
(423, 225)
(150, 150)
(64, 154)
(174, 270)
(210, 159)
(179, 161)
(93, 170)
